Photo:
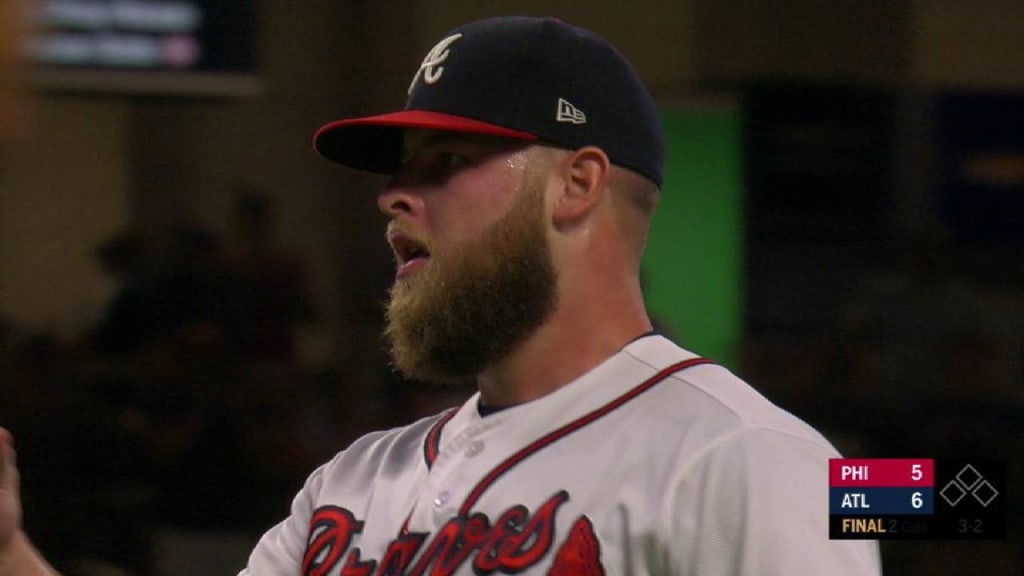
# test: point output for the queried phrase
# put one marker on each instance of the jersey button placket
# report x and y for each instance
(445, 471)
(442, 498)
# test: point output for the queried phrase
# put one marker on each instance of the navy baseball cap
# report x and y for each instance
(517, 77)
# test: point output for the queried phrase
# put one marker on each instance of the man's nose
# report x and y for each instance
(396, 200)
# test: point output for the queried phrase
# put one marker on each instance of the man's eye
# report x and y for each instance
(448, 160)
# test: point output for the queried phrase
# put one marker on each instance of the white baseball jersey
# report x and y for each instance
(654, 462)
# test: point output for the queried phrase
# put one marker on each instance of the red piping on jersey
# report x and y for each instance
(569, 428)
(433, 442)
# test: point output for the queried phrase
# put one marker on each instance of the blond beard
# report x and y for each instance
(470, 308)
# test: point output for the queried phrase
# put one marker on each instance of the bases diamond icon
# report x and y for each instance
(985, 493)
(968, 476)
(952, 493)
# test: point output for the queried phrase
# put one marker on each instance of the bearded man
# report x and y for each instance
(525, 169)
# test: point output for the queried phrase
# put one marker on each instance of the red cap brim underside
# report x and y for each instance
(374, 143)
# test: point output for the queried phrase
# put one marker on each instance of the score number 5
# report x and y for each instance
(916, 474)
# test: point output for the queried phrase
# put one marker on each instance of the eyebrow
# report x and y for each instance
(431, 139)
(441, 137)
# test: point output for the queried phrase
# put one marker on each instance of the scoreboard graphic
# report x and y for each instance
(917, 499)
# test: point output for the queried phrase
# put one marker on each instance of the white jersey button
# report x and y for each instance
(475, 447)
(442, 498)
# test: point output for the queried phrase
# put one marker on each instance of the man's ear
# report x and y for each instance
(586, 172)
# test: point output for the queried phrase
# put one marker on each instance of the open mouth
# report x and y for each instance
(410, 254)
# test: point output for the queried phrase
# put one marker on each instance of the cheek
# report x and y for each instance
(470, 205)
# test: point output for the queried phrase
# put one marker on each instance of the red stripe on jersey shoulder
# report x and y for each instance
(573, 426)
(432, 443)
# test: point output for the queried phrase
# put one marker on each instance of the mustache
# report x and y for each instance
(406, 242)
(397, 228)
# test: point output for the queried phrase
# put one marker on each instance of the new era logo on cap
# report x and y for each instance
(569, 113)
(534, 79)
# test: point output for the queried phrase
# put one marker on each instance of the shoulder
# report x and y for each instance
(746, 479)
(707, 397)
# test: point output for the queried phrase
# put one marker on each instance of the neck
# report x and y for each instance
(566, 347)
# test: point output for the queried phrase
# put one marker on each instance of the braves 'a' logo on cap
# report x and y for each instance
(431, 68)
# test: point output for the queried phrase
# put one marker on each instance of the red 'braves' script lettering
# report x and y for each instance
(516, 541)
(330, 533)
(580, 554)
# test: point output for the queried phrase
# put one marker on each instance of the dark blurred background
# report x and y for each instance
(190, 299)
